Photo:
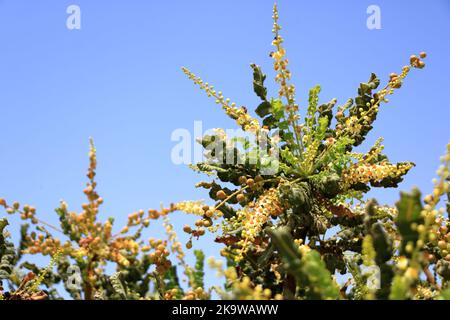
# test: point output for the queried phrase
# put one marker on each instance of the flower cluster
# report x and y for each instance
(435, 228)
(240, 288)
(243, 119)
(273, 227)
(207, 213)
(253, 218)
(280, 64)
(363, 117)
(197, 294)
(160, 254)
(176, 246)
(26, 212)
(192, 207)
(365, 173)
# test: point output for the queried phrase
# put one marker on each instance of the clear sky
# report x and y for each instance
(119, 80)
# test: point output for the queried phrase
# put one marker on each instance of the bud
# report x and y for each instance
(199, 222)
(409, 248)
(428, 198)
(206, 223)
(199, 291)
(88, 190)
(187, 229)
(221, 194)
(209, 213)
(242, 179)
(413, 59)
(396, 84)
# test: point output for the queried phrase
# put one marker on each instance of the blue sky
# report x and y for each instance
(118, 79)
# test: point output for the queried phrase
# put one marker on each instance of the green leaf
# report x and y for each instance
(277, 108)
(445, 295)
(400, 288)
(258, 82)
(443, 269)
(3, 224)
(171, 278)
(288, 250)
(264, 109)
(265, 256)
(327, 184)
(199, 273)
(321, 128)
(284, 126)
(313, 100)
(309, 269)
(409, 208)
(8, 256)
(118, 285)
(270, 122)
(298, 196)
(321, 283)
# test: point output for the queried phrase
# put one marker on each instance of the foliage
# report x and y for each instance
(143, 268)
(289, 209)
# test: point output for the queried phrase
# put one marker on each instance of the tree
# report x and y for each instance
(288, 207)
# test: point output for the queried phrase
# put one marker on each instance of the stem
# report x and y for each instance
(88, 289)
(230, 196)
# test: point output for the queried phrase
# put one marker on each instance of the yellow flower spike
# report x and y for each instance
(240, 115)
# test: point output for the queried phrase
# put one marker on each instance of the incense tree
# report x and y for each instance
(287, 204)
